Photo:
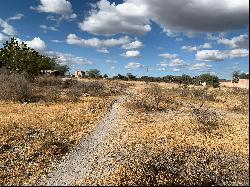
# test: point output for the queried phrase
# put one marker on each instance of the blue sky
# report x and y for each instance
(133, 36)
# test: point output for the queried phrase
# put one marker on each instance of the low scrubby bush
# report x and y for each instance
(48, 81)
(183, 166)
(208, 119)
(14, 87)
(153, 98)
(92, 88)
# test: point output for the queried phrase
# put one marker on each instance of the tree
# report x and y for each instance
(244, 76)
(105, 76)
(186, 79)
(94, 73)
(211, 80)
(63, 69)
(122, 77)
(131, 76)
(18, 57)
(168, 78)
(236, 77)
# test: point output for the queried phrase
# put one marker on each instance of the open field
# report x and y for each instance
(124, 93)
(160, 134)
(38, 133)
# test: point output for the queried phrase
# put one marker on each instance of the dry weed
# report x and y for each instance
(35, 135)
(14, 87)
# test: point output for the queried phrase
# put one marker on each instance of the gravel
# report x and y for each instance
(79, 163)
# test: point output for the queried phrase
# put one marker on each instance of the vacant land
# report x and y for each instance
(39, 132)
(161, 134)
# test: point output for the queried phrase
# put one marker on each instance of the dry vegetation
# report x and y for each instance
(170, 136)
(165, 134)
(43, 120)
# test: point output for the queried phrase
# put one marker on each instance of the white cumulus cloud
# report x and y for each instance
(133, 65)
(131, 54)
(133, 45)
(61, 7)
(136, 16)
(217, 55)
(95, 42)
(195, 48)
(176, 69)
(241, 41)
(189, 48)
(16, 17)
(47, 28)
(103, 50)
(110, 19)
(36, 44)
(168, 55)
(69, 59)
(200, 67)
(7, 28)
(177, 63)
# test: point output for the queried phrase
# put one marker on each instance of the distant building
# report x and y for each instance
(79, 74)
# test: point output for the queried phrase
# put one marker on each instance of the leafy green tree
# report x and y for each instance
(122, 77)
(244, 76)
(211, 80)
(168, 78)
(94, 74)
(236, 77)
(18, 57)
(186, 79)
(63, 69)
(105, 76)
(131, 76)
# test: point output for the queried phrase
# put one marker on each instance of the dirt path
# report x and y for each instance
(78, 163)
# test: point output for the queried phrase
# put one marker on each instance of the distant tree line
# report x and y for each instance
(210, 80)
(18, 57)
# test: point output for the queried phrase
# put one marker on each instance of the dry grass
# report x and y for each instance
(181, 146)
(152, 98)
(49, 89)
(14, 87)
(40, 131)
(35, 135)
(165, 135)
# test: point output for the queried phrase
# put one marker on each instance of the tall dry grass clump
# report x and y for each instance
(14, 87)
(53, 89)
(153, 98)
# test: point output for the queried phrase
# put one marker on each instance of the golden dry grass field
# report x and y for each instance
(165, 137)
(34, 135)
(166, 134)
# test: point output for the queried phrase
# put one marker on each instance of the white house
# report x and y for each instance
(79, 74)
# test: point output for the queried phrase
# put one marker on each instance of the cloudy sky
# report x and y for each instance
(143, 37)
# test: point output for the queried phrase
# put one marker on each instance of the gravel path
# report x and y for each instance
(78, 163)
